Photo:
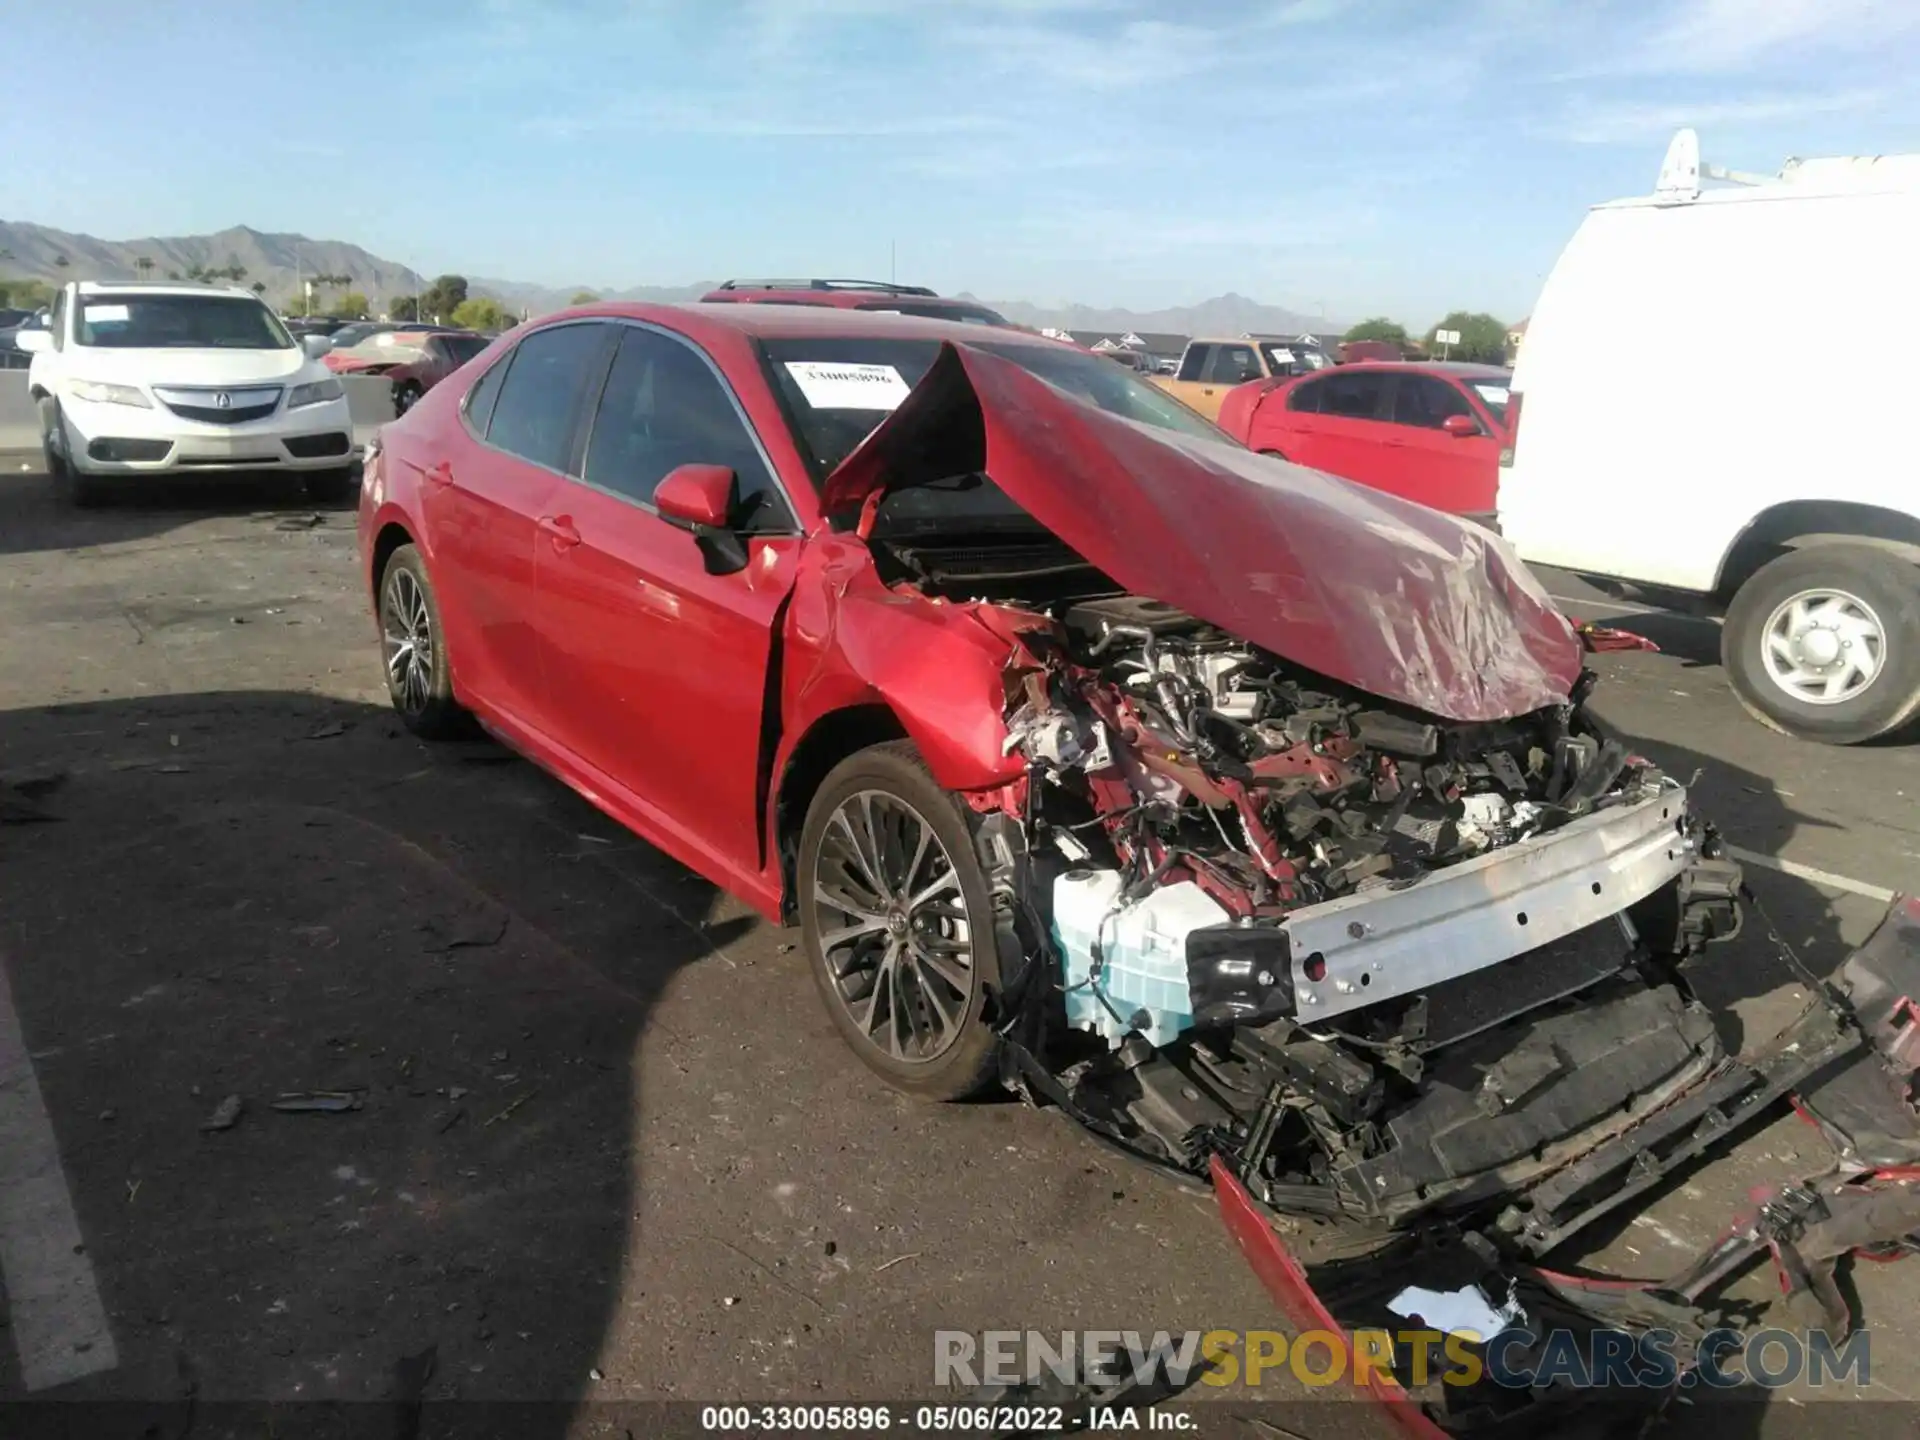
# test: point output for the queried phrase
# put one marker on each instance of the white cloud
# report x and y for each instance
(1139, 54)
(1727, 34)
(1618, 122)
(754, 116)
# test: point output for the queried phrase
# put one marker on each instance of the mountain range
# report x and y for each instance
(279, 262)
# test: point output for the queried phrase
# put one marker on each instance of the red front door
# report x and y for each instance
(1334, 422)
(656, 669)
(1428, 462)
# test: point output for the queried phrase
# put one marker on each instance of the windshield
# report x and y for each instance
(1494, 395)
(837, 389)
(1285, 359)
(465, 347)
(156, 322)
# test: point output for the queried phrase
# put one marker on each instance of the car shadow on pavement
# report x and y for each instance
(423, 971)
(35, 517)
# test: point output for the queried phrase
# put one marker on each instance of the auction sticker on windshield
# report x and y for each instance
(834, 385)
(106, 314)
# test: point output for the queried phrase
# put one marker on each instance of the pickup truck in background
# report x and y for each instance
(1210, 368)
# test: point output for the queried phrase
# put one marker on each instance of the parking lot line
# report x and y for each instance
(1823, 878)
(1574, 606)
(60, 1329)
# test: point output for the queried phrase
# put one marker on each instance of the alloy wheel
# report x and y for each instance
(406, 628)
(893, 926)
(1823, 646)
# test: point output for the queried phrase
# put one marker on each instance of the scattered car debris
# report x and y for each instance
(897, 1260)
(34, 782)
(17, 808)
(329, 730)
(496, 1119)
(225, 1115)
(466, 932)
(325, 1102)
(1604, 637)
(305, 521)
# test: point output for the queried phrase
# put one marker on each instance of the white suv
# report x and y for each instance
(169, 379)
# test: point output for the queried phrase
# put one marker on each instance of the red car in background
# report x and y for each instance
(1427, 432)
(415, 361)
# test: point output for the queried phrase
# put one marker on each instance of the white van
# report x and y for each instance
(1712, 397)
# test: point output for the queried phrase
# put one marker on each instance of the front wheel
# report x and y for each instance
(1824, 643)
(898, 924)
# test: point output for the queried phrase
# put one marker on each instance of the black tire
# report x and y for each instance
(892, 777)
(405, 397)
(76, 487)
(329, 487)
(1883, 586)
(423, 699)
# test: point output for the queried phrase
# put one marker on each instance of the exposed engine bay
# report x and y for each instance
(1382, 962)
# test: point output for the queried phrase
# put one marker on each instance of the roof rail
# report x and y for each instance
(883, 286)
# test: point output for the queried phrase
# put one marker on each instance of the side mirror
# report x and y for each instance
(316, 346)
(702, 499)
(32, 342)
(1460, 426)
(697, 495)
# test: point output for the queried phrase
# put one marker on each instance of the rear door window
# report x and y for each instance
(1352, 397)
(1424, 402)
(1233, 365)
(535, 411)
(479, 405)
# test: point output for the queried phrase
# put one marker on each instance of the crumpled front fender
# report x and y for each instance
(852, 641)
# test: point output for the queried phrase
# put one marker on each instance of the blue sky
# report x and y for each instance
(1350, 156)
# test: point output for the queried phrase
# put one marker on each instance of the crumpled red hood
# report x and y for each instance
(1391, 597)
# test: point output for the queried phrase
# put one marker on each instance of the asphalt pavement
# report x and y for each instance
(567, 1125)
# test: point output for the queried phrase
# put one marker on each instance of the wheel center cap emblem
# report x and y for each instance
(897, 923)
(1821, 647)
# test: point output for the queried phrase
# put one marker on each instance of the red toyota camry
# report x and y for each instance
(1255, 819)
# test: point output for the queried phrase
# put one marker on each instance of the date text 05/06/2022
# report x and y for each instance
(962, 1419)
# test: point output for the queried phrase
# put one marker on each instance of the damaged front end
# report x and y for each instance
(1342, 902)
(1382, 963)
